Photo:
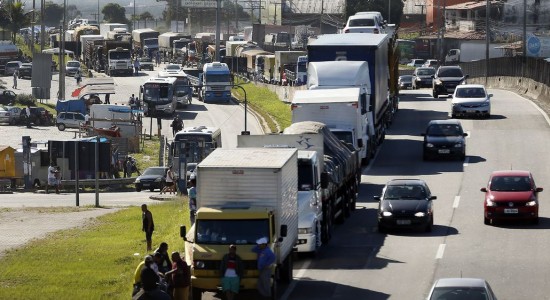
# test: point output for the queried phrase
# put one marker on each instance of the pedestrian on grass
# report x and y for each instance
(181, 277)
(231, 270)
(266, 258)
(165, 264)
(148, 225)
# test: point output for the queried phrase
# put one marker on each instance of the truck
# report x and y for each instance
(167, 39)
(119, 34)
(118, 60)
(284, 60)
(179, 48)
(145, 39)
(214, 83)
(340, 110)
(310, 182)
(243, 195)
(472, 50)
(277, 41)
(297, 74)
(84, 42)
(343, 55)
(84, 30)
(105, 28)
(8, 52)
(264, 67)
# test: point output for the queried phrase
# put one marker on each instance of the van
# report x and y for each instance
(366, 22)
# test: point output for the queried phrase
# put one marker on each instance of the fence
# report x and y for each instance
(532, 68)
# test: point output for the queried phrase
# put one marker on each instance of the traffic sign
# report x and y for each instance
(199, 3)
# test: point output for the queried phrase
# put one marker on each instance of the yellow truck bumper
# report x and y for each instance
(214, 284)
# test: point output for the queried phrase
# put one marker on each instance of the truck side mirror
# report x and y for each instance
(284, 230)
(183, 232)
(324, 180)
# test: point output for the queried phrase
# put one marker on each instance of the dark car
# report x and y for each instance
(39, 116)
(25, 71)
(446, 79)
(152, 178)
(511, 195)
(422, 77)
(444, 138)
(461, 288)
(7, 97)
(404, 82)
(405, 203)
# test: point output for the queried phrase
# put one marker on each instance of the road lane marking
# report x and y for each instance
(456, 202)
(300, 274)
(440, 251)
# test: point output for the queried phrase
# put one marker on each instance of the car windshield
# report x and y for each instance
(361, 22)
(470, 93)
(459, 293)
(444, 130)
(510, 184)
(73, 64)
(425, 72)
(450, 73)
(145, 59)
(154, 171)
(405, 78)
(173, 67)
(405, 192)
(226, 232)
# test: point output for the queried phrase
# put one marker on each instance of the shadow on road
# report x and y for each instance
(316, 290)
(544, 223)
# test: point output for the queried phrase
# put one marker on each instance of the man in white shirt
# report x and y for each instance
(52, 178)
(28, 114)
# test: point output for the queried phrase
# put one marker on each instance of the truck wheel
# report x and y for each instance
(435, 94)
(286, 270)
(196, 293)
(326, 232)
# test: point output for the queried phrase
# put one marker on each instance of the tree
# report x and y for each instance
(382, 6)
(146, 16)
(14, 17)
(114, 13)
(73, 12)
(53, 13)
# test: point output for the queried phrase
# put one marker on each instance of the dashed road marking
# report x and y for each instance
(440, 251)
(456, 202)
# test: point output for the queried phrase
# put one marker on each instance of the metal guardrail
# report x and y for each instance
(102, 182)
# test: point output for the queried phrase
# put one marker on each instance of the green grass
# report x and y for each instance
(96, 261)
(149, 155)
(267, 104)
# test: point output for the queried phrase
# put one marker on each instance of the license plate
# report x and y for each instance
(444, 151)
(403, 222)
(146, 185)
(510, 210)
(471, 111)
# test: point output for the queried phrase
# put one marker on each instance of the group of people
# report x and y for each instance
(153, 275)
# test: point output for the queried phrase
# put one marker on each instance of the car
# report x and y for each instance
(5, 115)
(145, 63)
(471, 99)
(152, 178)
(446, 79)
(405, 203)
(366, 22)
(7, 97)
(511, 195)
(404, 82)
(15, 112)
(173, 67)
(72, 67)
(422, 77)
(444, 138)
(25, 71)
(416, 62)
(11, 66)
(461, 289)
(432, 63)
(191, 171)
(69, 120)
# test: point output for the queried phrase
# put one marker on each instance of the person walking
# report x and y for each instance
(266, 258)
(52, 178)
(181, 277)
(148, 225)
(169, 182)
(232, 271)
(174, 125)
(15, 75)
(192, 194)
(28, 115)
(78, 77)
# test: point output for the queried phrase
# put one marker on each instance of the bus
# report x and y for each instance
(184, 89)
(195, 143)
(407, 50)
(158, 96)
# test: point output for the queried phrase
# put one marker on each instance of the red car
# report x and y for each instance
(511, 195)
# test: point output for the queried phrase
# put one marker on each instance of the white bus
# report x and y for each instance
(184, 90)
(159, 96)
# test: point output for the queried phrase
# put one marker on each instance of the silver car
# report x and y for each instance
(4, 116)
(72, 67)
(69, 120)
(471, 100)
(11, 66)
(461, 289)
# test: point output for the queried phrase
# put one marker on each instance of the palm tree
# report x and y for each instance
(146, 16)
(14, 17)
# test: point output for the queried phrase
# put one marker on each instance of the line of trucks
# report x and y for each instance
(292, 187)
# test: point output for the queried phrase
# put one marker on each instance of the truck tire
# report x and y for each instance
(285, 270)
(341, 218)
(326, 229)
(196, 293)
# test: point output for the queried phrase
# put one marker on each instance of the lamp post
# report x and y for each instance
(245, 132)
(389, 11)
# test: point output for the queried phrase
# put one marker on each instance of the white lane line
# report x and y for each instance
(456, 202)
(292, 285)
(440, 251)
(466, 161)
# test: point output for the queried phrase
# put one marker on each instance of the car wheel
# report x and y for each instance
(152, 189)
(486, 221)
(430, 225)
(61, 127)
(382, 228)
(487, 116)
(138, 188)
(462, 157)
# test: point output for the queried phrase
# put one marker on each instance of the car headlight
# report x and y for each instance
(438, 82)
(137, 180)
(386, 213)
(307, 230)
(199, 264)
(490, 202)
(420, 214)
(158, 179)
(458, 145)
(531, 203)
(429, 145)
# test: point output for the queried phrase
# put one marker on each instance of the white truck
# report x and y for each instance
(343, 75)
(340, 110)
(243, 195)
(84, 41)
(310, 168)
(105, 116)
(105, 28)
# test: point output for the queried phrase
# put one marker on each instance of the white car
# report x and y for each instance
(471, 99)
(173, 67)
(416, 62)
(364, 22)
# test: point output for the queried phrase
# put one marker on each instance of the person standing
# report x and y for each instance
(52, 178)
(28, 114)
(78, 77)
(192, 194)
(136, 67)
(87, 119)
(181, 277)
(231, 270)
(266, 258)
(15, 75)
(174, 126)
(148, 225)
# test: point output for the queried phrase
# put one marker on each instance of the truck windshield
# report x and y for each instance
(226, 232)
(305, 176)
(120, 55)
(179, 45)
(217, 78)
(151, 42)
(345, 136)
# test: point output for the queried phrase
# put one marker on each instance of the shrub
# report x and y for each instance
(26, 99)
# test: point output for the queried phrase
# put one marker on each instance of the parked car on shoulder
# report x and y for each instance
(461, 288)
(511, 195)
(39, 116)
(25, 71)
(7, 97)
(446, 79)
(69, 120)
(152, 178)
(5, 115)
(422, 77)
(405, 203)
(471, 100)
(444, 138)
(14, 114)
(11, 66)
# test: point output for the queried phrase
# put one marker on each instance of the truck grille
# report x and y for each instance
(121, 65)
(218, 88)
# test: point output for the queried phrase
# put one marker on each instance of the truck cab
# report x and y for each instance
(216, 81)
(119, 61)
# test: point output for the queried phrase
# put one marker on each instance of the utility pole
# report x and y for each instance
(33, 23)
(98, 13)
(236, 18)
(321, 15)
(524, 31)
(389, 11)
(275, 16)
(62, 55)
(134, 16)
(42, 25)
(487, 39)
(218, 13)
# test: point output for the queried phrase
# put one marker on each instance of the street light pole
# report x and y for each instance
(389, 11)
(245, 132)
